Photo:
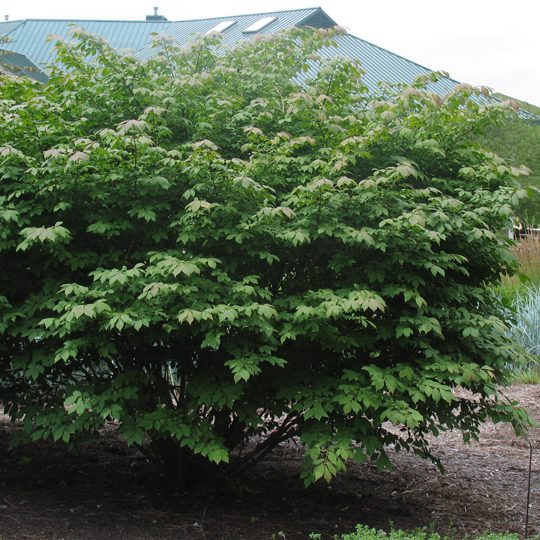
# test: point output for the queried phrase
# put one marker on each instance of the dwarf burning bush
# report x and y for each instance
(207, 251)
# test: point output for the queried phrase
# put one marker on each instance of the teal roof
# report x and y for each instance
(380, 65)
(8, 26)
(184, 31)
(28, 39)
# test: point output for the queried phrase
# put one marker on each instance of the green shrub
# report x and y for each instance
(365, 533)
(204, 250)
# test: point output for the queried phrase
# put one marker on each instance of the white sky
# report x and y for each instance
(491, 42)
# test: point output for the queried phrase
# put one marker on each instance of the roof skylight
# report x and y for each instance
(221, 27)
(260, 24)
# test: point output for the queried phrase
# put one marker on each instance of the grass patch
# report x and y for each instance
(528, 375)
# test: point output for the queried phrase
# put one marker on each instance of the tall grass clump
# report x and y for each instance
(525, 329)
(527, 251)
(520, 296)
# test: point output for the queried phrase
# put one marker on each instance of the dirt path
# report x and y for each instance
(109, 492)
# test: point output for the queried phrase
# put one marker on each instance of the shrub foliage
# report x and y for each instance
(205, 250)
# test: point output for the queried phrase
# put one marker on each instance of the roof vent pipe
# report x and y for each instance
(155, 16)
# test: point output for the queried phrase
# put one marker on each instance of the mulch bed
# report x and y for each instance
(107, 491)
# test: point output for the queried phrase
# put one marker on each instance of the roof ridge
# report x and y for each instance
(308, 13)
(313, 9)
(86, 20)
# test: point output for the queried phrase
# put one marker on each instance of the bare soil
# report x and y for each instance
(107, 491)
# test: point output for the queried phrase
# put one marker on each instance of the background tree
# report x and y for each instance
(518, 141)
(205, 250)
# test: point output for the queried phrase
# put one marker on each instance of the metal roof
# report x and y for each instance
(28, 38)
(185, 31)
(8, 26)
(380, 65)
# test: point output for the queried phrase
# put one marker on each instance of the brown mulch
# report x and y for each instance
(107, 491)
